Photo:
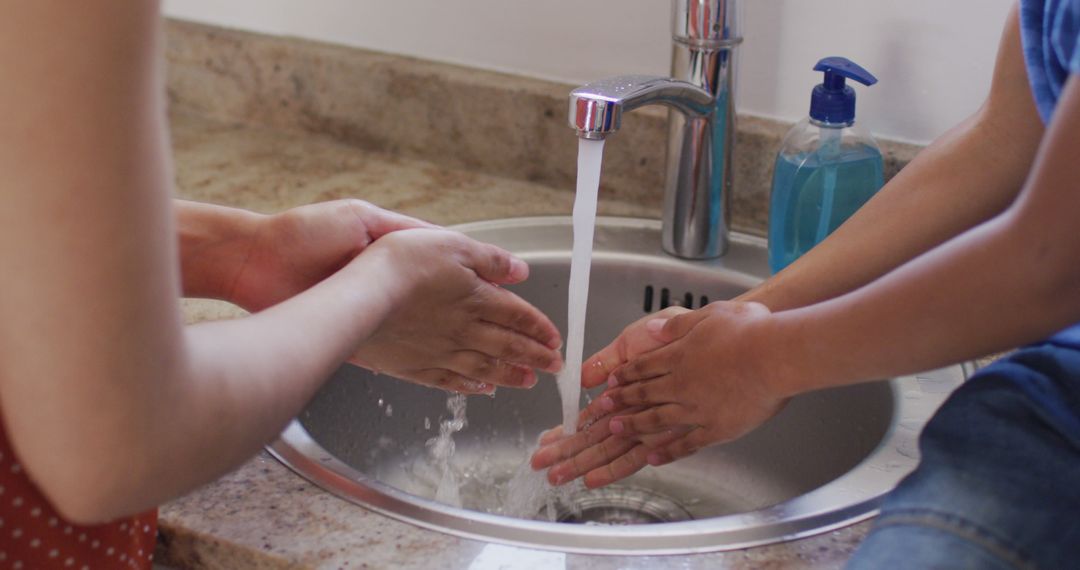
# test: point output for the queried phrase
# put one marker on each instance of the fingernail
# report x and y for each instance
(519, 270)
(612, 381)
(654, 459)
(616, 426)
(555, 343)
(555, 366)
(607, 403)
(530, 379)
(655, 326)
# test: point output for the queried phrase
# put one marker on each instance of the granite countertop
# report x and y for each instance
(264, 516)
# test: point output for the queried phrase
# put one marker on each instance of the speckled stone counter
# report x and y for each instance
(268, 123)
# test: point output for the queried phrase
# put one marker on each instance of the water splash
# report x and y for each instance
(441, 451)
(528, 493)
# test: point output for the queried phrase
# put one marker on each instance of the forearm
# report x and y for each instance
(942, 308)
(241, 382)
(166, 418)
(215, 243)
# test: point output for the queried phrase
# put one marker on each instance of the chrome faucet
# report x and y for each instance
(701, 132)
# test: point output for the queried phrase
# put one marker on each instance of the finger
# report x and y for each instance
(601, 407)
(591, 458)
(662, 439)
(630, 462)
(480, 367)
(494, 264)
(449, 381)
(511, 347)
(551, 436)
(648, 366)
(678, 449)
(569, 446)
(598, 368)
(507, 310)
(655, 392)
(678, 326)
(653, 420)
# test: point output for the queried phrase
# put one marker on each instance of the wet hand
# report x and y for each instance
(711, 383)
(633, 341)
(450, 325)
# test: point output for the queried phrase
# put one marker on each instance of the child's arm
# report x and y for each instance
(110, 403)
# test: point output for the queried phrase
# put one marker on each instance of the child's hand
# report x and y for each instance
(290, 251)
(633, 341)
(707, 386)
(450, 325)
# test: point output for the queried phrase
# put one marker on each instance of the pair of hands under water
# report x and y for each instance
(677, 381)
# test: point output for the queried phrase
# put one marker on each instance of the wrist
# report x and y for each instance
(786, 371)
(215, 244)
(384, 289)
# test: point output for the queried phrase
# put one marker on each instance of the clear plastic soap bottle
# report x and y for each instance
(827, 168)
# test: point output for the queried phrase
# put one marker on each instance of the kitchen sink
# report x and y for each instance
(823, 463)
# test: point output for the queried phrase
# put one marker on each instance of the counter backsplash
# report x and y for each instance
(459, 117)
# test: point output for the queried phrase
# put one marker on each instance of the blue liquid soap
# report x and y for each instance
(812, 197)
(827, 168)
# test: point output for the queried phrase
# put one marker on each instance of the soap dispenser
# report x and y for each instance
(827, 167)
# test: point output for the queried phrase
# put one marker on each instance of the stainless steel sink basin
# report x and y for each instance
(823, 463)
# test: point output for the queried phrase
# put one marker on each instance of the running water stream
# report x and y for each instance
(528, 491)
(590, 155)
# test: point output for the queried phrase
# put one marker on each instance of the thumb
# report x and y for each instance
(381, 222)
(497, 265)
(670, 330)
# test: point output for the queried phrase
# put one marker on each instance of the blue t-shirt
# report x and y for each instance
(1051, 36)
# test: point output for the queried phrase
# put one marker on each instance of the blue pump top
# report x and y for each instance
(833, 101)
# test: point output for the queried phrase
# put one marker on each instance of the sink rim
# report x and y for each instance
(848, 499)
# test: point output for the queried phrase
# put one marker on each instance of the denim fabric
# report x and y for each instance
(1050, 30)
(999, 481)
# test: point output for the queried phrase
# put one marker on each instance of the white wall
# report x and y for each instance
(934, 57)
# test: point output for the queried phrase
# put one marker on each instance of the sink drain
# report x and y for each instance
(619, 506)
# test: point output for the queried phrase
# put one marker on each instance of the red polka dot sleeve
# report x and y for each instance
(34, 537)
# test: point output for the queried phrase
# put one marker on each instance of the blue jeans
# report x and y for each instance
(999, 481)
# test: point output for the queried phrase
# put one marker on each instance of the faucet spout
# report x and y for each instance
(701, 123)
(596, 108)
